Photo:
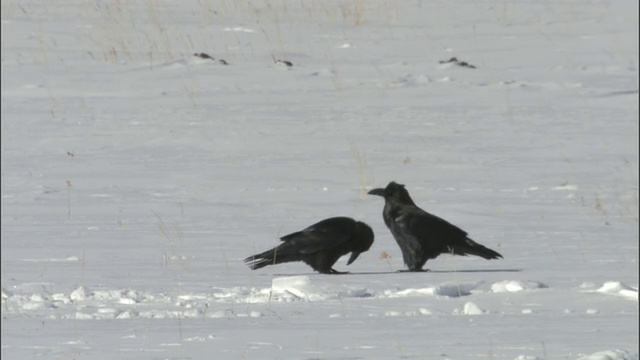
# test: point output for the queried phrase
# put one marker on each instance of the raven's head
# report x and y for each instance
(394, 192)
(362, 241)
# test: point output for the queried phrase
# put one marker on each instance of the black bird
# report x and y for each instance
(319, 246)
(423, 236)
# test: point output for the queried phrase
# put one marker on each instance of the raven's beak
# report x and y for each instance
(378, 191)
(353, 257)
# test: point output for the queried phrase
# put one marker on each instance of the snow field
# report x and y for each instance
(136, 177)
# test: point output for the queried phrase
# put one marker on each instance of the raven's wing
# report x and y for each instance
(439, 235)
(430, 230)
(326, 234)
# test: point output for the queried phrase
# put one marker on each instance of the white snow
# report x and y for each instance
(136, 177)
(610, 355)
(445, 289)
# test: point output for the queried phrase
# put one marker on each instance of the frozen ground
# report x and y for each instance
(136, 177)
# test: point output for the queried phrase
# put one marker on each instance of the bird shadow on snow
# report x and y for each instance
(435, 271)
(409, 272)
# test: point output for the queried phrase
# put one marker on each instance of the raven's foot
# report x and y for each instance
(414, 270)
(336, 272)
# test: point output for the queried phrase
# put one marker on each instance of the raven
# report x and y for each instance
(319, 246)
(423, 236)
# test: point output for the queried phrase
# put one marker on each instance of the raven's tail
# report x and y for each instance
(471, 247)
(269, 257)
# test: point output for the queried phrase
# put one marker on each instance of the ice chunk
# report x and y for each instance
(472, 309)
(299, 286)
(620, 289)
(444, 289)
(610, 355)
(516, 285)
(79, 294)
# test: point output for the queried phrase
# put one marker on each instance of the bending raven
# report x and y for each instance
(423, 236)
(319, 246)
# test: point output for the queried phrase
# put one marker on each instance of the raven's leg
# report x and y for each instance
(323, 261)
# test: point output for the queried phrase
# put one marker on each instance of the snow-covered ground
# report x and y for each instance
(136, 177)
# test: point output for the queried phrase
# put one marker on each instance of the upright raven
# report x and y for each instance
(423, 236)
(319, 246)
